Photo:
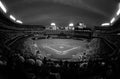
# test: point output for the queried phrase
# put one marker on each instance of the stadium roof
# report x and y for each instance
(62, 12)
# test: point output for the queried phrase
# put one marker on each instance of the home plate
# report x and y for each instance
(61, 49)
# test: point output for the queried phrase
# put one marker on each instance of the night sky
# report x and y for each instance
(43, 12)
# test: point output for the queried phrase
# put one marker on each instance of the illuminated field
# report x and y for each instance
(62, 48)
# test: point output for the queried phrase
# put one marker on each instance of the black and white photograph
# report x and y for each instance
(59, 39)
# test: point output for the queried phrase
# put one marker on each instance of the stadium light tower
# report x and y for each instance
(113, 20)
(12, 17)
(80, 24)
(71, 24)
(105, 24)
(118, 12)
(53, 24)
(3, 7)
(18, 21)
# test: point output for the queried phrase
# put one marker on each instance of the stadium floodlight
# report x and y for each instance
(80, 24)
(18, 21)
(112, 20)
(118, 12)
(12, 17)
(52, 24)
(3, 7)
(105, 24)
(71, 24)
